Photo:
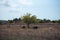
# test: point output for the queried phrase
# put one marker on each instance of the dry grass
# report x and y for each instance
(17, 33)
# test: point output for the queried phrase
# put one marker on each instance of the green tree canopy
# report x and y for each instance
(58, 21)
(0, 22)
(28, 19)
(10, 21)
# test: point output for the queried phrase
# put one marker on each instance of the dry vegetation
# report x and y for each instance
(18, 33)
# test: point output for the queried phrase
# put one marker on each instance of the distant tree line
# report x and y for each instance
(28, 19)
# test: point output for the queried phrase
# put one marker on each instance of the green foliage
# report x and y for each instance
(0, 22)
(54, 21)
(28, 19)
(39, 21)
(46, 20)
(34, 19)
(58, 21)
(10, 21)
(15, 19)
(43, 21)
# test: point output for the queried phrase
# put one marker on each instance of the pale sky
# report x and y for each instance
(49, 9)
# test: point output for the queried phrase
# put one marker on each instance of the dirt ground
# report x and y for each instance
(17, 33)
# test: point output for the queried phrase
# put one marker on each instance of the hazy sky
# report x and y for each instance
(49, 9)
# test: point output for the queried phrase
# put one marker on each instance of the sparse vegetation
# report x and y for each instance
(35, 27)
(28, 19)
(10, 21)
(0, 22)
(46, 29)
(23, 26)
(47, 33)
(58, 21)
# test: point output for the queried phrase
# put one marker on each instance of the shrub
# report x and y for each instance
(23, 26)
(35, 27)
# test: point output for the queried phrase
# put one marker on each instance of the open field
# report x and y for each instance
(18, 33)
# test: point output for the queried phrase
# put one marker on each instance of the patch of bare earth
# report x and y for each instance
(17, 33)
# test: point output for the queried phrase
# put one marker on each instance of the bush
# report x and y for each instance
(35, 27)
(23, 26)
(0, 22)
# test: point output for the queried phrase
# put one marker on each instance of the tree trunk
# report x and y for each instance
(28, 25)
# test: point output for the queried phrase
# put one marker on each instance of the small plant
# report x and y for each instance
(23, 26)
(35, 27)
